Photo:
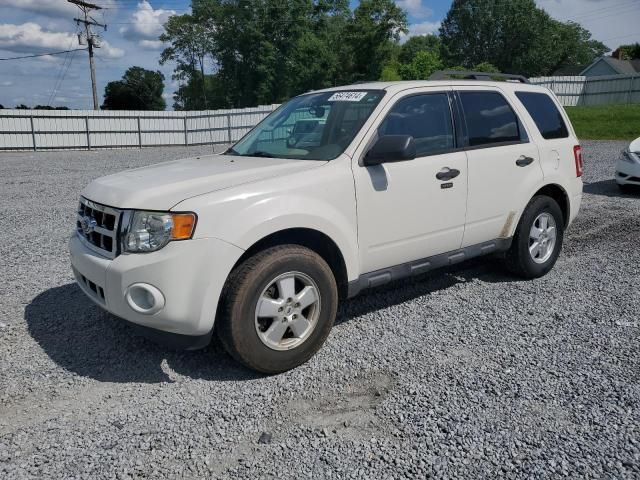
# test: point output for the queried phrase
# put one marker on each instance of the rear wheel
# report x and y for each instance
(628, 189)
(538, 239)
(278, 308)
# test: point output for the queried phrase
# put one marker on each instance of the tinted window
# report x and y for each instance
(489, 118)
(545, 113)
(427, 118)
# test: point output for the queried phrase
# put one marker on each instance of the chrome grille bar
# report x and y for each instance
(97, 226)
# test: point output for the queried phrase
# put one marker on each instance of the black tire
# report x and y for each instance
(236, 325)
(628, 189)
(518, 259)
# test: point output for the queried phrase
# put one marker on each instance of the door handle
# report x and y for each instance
(523, 161)
(447, 174)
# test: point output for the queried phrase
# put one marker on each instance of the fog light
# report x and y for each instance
(144, 298)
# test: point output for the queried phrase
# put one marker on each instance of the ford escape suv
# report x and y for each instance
(335, 192)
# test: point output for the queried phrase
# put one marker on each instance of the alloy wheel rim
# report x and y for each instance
(287, 311)
(542, 238)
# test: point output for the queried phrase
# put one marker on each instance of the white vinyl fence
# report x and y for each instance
(90, 129)
(606, 90)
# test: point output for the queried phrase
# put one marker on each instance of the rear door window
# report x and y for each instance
(490, 119)
(545, 114)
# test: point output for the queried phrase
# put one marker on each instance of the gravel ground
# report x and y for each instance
(466, 373)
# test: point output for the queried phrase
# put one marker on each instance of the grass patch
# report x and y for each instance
(607, 122)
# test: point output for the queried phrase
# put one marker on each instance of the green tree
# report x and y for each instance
(418, 43)
(190, 42)
(139, 89)
(250, 52)
(22, 106)
(375, 26)
(49, 107)
(515, 36)
(575, 46)
(190, 95)
(423, 65)
(630, 52)
(391, 72)
(486, 67)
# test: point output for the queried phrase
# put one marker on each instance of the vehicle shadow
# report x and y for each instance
(609, 188)
(82, 338)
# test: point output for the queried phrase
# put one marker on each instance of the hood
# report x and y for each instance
(161, 186)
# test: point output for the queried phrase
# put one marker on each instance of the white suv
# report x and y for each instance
(337, 191)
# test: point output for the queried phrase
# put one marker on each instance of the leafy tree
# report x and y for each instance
(265, 51)
(629, 52)
(190, 95)
(515, 36)
(423, 65)
(190, 42)
(1, 107)
(49, 107)
(575, 46)
(486, 67)
(418, 43)
(139, 89)
(391, 72)
(375, 25)
(22, 106)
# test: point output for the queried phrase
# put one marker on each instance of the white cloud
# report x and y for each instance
(423, 28)
(415, 8)
(151, 44)
(147, 25)
(7, 83)
(43, 7)
(31, 38)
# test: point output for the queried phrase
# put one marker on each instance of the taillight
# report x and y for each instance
(577, 154)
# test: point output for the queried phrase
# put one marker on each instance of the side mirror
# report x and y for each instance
(391, 148)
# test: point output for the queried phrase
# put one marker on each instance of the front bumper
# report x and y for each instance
(627, 173)
(189, 275)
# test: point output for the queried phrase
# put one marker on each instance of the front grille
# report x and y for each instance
(97, 225)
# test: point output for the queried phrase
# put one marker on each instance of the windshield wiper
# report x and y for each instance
(230, 151)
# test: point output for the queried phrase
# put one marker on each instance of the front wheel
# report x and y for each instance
(538, 239)
(278, 308)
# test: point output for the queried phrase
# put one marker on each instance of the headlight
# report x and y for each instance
(631, 157)
(150, 231)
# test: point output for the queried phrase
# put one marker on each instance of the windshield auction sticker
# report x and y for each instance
(347, 96)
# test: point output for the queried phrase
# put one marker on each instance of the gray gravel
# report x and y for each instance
(467, 373)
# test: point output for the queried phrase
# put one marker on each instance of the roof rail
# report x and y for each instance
(447, 74)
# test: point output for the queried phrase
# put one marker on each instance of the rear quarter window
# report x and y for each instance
(545, 114)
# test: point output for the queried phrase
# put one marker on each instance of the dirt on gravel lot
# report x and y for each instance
(465, 373)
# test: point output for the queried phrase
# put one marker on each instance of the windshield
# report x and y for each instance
(316, 126)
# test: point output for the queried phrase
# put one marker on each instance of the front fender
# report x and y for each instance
(323, 200)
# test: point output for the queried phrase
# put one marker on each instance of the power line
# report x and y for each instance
(59, 75)
(52, 98)
(42, 54)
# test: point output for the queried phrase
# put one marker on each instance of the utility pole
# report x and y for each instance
(92, 40)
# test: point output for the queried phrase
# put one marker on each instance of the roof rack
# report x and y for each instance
(447, 74)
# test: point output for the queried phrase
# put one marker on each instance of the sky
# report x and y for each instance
(30, 27)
